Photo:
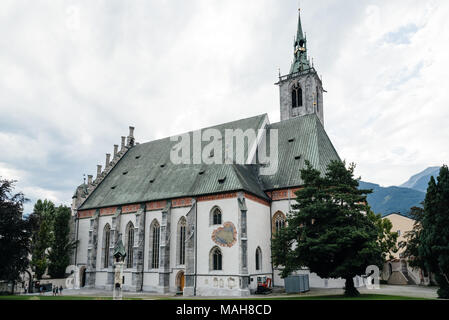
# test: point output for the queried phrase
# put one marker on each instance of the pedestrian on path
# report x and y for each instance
(60, 290)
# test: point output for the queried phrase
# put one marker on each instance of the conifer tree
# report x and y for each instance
(329, 230)
(434, 238)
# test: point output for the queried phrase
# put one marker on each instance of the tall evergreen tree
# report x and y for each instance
(61, 246)
(329, 230)
(43, 215)
(434, 238)
(15, 234)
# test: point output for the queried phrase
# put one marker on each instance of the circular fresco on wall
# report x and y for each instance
(225, 236)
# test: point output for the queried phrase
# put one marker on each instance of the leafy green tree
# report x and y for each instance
(15, 233)
(43, 215)
(330, 229)
(385, 237)
(412, 240)
(61, 246)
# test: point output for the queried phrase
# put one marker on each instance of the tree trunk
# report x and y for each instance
(350, 289)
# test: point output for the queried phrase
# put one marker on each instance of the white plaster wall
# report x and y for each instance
(230, 256)
(216, 285)
(259, 235)
(282, 205)
(83, 240)
(128, 279)
(100, 279)
(151, 281)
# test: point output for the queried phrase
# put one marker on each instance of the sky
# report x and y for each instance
(75, 74)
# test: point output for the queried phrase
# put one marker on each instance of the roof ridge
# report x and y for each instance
(209, 127)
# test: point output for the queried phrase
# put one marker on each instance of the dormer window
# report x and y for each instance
(296, 96)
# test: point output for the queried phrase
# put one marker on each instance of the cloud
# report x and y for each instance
(401, 35)
(74, 75)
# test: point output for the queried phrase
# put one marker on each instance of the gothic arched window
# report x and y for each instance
(317, 100)
(215, 256)
(278, 222)
(296, 96)
(216, 216)
(106, 243)
(129, 245)
(258, 259)
(182, 241)
(155, 231)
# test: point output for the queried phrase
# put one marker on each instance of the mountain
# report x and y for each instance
(386, 200)
(420, 181)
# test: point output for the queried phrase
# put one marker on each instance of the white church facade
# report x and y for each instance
(202, 229)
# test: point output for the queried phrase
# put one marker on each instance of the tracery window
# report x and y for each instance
(129, 245)
(296, 96)
(155, 231)
(216, 259)
(182, 241)
(278, 222)
(106, 244)
(216, 216)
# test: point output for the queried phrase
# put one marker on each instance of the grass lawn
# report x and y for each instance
(342, 297)
(327, 297)
(37, 297)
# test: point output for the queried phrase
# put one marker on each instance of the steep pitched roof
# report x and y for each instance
(145, 173)
(301, 138)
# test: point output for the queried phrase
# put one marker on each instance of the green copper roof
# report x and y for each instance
(300, 62)
(145, 173)
(301, 138)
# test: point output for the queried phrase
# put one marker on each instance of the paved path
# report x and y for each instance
(407, 291)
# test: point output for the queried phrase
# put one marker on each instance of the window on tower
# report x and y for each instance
(317, 100)
(296, 96)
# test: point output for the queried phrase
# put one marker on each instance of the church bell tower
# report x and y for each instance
(301, 91)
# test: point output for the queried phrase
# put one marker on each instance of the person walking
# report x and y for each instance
(60, 290)
(56, 290)
(53, 289)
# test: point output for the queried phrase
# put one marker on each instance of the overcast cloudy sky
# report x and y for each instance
(75, 74)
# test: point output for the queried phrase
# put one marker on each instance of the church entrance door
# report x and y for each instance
(180, 281)
(83, 276)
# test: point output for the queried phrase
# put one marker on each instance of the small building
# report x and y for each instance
(398, 270)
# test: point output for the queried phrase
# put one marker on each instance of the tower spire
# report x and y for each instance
(299, 33)
(301, 91)
(301, 62)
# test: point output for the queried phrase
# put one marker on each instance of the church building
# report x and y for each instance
(202, 229)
